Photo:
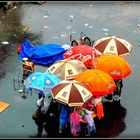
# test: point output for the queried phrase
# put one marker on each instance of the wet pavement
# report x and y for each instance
(53, 22)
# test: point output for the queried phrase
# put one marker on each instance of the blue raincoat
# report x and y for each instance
(64, 116)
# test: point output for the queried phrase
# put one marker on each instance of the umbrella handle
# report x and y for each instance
(70, 38)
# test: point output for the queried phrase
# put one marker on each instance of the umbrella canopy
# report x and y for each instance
(100, 83)
(67, 69)
(114, 65)
(113, 45)
(41, 83)
(86, 54)
(71, 92)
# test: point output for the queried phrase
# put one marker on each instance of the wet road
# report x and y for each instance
(53, 23)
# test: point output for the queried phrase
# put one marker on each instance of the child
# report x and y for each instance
(90, 122)
(75, 123)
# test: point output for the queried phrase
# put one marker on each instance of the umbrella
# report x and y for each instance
(71, 92)
(67, 69)
(86, 54)
(114, 65)
(100, 83)
(113, 45)
(41, 82)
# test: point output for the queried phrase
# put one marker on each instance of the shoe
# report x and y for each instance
(88, 134)
(93, 133)
(23, 97)
(38, 135)
(52, 114)
(66, 125)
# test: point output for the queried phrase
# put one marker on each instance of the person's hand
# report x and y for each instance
(52, 114)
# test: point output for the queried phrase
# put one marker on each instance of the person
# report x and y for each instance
(19, 48)
(39, 115)
(52, 119)
(90, 122)
(64, 117)
(117, 92)
(75, 125)
(98, 107)
(28, 68)
(41, 103)
(44, 117)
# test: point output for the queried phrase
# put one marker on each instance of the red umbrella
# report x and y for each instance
(83, 53)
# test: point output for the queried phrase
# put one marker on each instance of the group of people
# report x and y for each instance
(73, 117)
(58, 118)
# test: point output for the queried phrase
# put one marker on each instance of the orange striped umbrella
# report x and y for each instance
(100, 83)
(114, 65)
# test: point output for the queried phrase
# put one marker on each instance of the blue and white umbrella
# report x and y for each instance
(41, 83)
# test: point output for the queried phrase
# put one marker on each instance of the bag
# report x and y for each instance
(81, 112)
(35, 115)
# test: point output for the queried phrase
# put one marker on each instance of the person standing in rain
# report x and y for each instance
(52, 118)
(117, 92)
(27, 69)
(90, 122)
(75, 125)
(46, 117)
(39, 115)
(64, 117)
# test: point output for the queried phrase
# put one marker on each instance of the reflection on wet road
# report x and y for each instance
(114, 121)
